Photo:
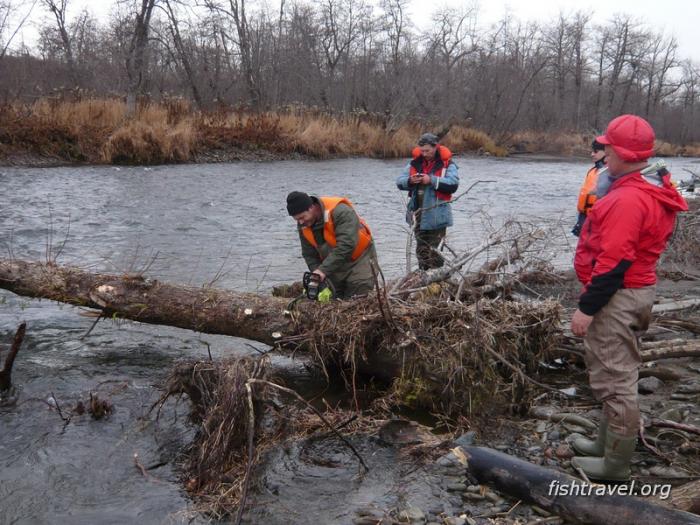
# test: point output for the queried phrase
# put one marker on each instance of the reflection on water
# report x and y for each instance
(189, 224)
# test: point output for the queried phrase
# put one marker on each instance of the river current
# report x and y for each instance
(190, 224)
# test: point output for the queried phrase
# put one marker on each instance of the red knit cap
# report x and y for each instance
(631, 137)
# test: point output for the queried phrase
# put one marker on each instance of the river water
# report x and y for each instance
(191, 224)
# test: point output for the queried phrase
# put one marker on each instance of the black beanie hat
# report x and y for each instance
(597, 146)
(298, 202)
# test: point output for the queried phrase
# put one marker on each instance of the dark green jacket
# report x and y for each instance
(336, 260)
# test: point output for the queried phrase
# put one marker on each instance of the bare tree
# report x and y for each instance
(690, 101)
(577, 30)
(9, 27)
(604, 36)
(339, 28)
(341, 55)
(58, 9)
(451, 40)
(183, 55)
(136, 53)
(236, 11)
(660, 59)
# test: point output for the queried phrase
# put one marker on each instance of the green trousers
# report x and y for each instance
(358, 279)
(427, 242)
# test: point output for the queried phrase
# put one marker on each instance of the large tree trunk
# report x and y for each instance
(542, 486)
(250, 316)
(439, 350)
(209, 310)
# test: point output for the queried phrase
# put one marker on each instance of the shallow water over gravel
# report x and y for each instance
(192, 224)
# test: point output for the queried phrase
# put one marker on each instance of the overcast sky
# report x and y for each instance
(677, 17)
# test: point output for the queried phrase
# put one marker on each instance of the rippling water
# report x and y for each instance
(189, 224)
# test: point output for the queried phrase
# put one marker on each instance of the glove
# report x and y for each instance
(325, 296)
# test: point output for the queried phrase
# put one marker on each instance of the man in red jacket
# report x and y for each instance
(620, 243)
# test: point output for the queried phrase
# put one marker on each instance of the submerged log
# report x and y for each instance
(6, 371)
(545, 488)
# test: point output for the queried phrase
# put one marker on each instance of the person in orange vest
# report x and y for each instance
(336, 242)
(430, 179)
(586, 195)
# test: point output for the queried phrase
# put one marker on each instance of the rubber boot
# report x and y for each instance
(615, 464)
(590, 447)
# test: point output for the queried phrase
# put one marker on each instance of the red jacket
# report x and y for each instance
(623, 237)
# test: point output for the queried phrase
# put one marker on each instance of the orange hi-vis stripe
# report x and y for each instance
(364, 235)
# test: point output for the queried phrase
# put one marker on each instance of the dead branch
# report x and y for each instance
(664, 423)
(315, 411)
(6, 371)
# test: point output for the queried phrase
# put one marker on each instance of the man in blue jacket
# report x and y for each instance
(430, 179)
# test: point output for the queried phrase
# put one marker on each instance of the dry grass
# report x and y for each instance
(324, 136)
(221, 131)
(106, 114)
(691, 150)
(550, 143)
(461, 139)
(102, 131)
(665, 149)
(138, 142)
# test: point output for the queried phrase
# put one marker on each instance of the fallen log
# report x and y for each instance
(664, 343)
(675, 348)
(436, 353)
(687, 497)
(673, 306)
(565, 495)
(209, 310)
(651, 351)
(679, 323)
(660, 372)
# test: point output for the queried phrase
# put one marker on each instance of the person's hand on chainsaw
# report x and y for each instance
(321, 275)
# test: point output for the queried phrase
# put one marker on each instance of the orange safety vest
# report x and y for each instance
(364, 235)
(586, 195)
(443, 157)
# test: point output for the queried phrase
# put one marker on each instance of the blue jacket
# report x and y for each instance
(438, 212)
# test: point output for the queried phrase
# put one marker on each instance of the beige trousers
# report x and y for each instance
(613, 358)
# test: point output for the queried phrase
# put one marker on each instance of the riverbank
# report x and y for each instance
(100, 131)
